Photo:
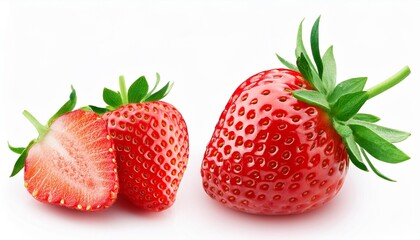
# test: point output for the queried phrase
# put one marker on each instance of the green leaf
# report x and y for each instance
(354, 153)
(377, 146)
(304, 69)
(330, 72)
(154, 87)
(160, 94)
(98, 110)
(389, 134)
(20, 163)
(18, 150)
(309, 74)
(376, 171)
(138, 90)
(305, 64)
(343, 130)
(366, 117)
(112, 98)
(315, 46)
(348, 86)
(300, 47)
(348, 105)
(67, 107)
(317, 82)
(312, 97)
(157, 82)
(286, 63)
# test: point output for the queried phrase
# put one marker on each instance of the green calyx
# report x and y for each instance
(42, 130)
(138, 92)
(342, 102)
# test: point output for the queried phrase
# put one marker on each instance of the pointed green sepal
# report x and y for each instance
(342, 129)
(161, 93)
(112, 98)
(354, 153)
(300, 47)
(67, 107)
(366, 117)
(315, 46)
(20, 162)
(376, 171)
(18, 150)
(329, 73)
(312, 97)
(389, 134)
(155, 86)
(287, 63)
(98, 110)
(138, 90)
(377, 146)
(309, 73)
(348, 105)
(348, 86)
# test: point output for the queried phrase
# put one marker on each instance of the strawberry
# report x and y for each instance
(151, 141)
(72, 162)
(284, 140)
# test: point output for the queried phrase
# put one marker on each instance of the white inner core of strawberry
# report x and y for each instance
(71, 162)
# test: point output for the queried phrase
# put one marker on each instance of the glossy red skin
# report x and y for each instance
(271, 154)
(151, 142)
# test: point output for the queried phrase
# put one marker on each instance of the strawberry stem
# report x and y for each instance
(42, 130)
(123, 90)
(389, 83)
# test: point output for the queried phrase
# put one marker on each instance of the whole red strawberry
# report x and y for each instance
(151, 141)
(283, 142)
(72, 162)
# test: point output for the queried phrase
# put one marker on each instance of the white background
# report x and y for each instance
(207, 48)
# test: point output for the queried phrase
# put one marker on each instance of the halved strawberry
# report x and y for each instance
(72, 162)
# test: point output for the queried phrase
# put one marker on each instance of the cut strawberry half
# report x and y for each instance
(72, 162)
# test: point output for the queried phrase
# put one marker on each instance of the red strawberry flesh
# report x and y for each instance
(73, 165)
